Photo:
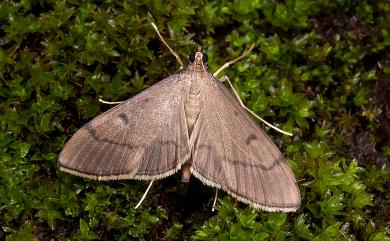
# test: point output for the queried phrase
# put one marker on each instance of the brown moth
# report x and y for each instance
(188, 121)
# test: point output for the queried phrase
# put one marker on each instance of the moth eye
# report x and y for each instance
(205, 58)
(192, 57)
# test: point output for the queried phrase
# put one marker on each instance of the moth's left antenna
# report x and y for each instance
(152, 22)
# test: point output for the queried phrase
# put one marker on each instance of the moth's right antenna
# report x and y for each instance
(233, 61)
(152, 22)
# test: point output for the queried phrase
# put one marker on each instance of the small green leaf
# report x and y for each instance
(281, 13)
(331, 233)
(361, 199)
(302, 229)
(379, 236)
(333, 206)
(301, 6)
(22, 148)
(271, 47)
(84, 229)
(260, 236)
(85, 233)
(174, 232)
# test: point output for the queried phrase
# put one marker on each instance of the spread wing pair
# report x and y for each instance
(146, 137)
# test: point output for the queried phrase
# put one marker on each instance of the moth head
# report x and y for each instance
(198, 58)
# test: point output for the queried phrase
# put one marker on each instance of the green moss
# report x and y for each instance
(319, 69)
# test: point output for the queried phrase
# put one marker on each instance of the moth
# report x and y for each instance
(188, 121)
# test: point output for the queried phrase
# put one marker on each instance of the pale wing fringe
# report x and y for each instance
(242, 199)
(125, 176)
(223, 78)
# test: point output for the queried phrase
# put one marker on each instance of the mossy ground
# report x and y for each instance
(319, 69)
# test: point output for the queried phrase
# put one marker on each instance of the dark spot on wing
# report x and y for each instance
(124, 118)
(91, 130)
(95, 135)
(242, 162)
(207, 147)
(250, 138)
(236, 113)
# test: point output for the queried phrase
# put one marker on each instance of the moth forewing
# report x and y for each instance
(231, 152)
(144, 138)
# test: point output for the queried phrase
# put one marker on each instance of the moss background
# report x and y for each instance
(319, 69)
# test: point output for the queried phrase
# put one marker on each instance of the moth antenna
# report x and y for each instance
(223, 78)
(109, 102)
(234, 60)
(143, 196)
(215, 200)
(166, 44)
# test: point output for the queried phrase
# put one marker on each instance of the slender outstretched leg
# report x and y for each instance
(143, 196)
(223, 78)
(215, 200)
(118, 102)
(181, 67)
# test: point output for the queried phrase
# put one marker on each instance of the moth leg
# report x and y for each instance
(215, 200)
(109, 102)
(223, 78)
(143, 196)
(233, 61)
(166, 44)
